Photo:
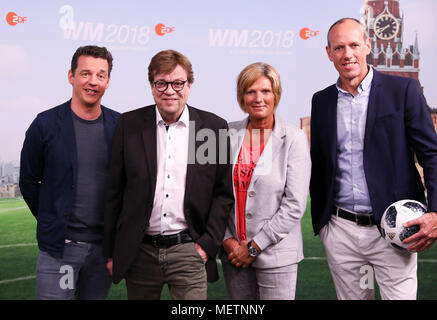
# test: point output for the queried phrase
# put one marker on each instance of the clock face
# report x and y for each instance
(386, 27)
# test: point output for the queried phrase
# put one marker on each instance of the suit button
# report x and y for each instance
(252, 193)
(248, 215)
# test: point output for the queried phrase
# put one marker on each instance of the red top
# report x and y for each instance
(247, 159)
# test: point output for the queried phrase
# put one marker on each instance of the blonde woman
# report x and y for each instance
(271, 174)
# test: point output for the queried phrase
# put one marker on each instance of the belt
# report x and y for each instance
(161, 241)
(79, 242)
(361, 219)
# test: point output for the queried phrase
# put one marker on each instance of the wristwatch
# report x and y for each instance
(253, 252)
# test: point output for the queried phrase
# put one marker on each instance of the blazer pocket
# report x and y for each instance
(389, 116)
(205, 173)
(119, 224)
(48, 218)
(408, 192)
(286, 256)
(204, 168)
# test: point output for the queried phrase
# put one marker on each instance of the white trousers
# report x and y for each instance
(358, 255)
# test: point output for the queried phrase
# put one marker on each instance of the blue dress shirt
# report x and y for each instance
(350, 182)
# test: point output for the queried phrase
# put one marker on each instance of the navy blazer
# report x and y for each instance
(398, 125)
(48, 170)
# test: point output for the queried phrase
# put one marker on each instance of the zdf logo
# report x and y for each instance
(306, 33)
(162, 29)
(12, 19)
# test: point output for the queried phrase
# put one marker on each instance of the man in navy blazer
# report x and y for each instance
(63, 172)
(365, 131)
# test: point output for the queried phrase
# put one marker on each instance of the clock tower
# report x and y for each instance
(383, 20)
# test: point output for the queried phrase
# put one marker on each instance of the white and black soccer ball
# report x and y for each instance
(395, 216)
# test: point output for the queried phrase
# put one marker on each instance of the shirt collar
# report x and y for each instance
(364, 85)
(183, 119)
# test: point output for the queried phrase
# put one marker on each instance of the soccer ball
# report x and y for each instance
(397, 214)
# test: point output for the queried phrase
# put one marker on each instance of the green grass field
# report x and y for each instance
(18, 252)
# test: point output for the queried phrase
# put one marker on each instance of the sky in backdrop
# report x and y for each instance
(220, 38)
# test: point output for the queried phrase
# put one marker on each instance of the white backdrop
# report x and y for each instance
(220, 38)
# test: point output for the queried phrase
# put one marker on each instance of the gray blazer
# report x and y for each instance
(277, 194)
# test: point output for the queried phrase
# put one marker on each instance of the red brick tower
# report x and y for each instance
(383, 20)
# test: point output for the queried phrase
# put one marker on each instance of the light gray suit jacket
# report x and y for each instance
(277, 194)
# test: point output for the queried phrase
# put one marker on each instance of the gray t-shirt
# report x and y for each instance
(86, 219)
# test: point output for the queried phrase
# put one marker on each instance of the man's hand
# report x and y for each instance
(427, 234)
(109, 266)
(240, 257)
(230, 245)
(202, 252)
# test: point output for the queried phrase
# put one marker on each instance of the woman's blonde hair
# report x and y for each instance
(252, 73)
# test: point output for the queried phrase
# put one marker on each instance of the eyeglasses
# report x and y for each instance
(162, 85)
